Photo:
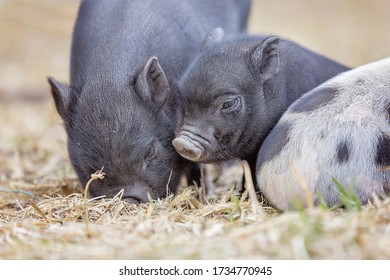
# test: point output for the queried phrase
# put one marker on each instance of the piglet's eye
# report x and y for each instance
(151, 153)
(231, 104)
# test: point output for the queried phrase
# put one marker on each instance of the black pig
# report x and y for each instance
(235, 91)
(120, 109)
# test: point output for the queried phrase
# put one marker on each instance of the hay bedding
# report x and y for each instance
(43, 212)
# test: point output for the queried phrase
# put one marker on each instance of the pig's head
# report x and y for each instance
(224, 107)
(126, 130)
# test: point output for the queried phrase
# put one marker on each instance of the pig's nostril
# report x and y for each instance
(187, 149)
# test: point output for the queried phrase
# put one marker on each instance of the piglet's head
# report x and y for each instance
(124, 128)
(223, 106)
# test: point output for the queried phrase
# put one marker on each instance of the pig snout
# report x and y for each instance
(136, 194)
(188, 148)
(192, 143)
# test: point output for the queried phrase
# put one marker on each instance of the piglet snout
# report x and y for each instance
(188, 148)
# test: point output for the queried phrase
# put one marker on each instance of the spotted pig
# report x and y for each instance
(338, 130)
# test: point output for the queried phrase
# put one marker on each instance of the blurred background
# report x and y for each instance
(35, 36)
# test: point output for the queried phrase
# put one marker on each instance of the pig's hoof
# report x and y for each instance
(187, 149)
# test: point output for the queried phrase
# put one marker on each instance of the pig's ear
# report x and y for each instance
(152, 84)
(265, 58)
(61, 96)
(216, 35)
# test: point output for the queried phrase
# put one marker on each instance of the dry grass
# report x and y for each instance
(43, 214)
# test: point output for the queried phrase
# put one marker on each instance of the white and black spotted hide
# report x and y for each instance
(340, 129)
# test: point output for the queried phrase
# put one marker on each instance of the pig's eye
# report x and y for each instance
(232, 104)
(151, 155)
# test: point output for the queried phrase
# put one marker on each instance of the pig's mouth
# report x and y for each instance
(191, 146)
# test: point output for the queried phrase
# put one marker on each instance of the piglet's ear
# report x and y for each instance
(265, 58)
(152, 84)
(216, 35)
(61, 96)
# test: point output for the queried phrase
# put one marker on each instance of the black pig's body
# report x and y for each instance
(235, 91)
(121, 106)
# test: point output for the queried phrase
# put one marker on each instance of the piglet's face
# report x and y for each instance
(125, 130)
(222, 96)
(211, 127)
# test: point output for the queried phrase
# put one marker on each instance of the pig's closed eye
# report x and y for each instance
(150, 156)
(231, 105)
